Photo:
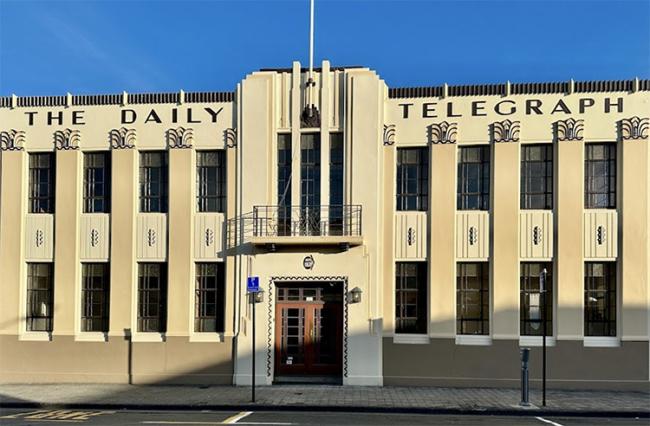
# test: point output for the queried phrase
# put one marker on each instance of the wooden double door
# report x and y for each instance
(309, 329)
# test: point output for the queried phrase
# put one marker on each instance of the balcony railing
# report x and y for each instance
(306, 221)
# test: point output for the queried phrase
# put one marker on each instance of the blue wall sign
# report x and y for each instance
(253, 284)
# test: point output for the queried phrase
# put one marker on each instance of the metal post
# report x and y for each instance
(525, 353)
(252, 298)
(542, 288)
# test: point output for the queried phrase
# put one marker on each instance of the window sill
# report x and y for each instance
(536, 341)
(91, 336)
(206, 337)
(36, 336)
(472, 340)
(148, 337)
(601, 342)
(411, 339)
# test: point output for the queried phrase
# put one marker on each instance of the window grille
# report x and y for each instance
(600, 176)
(40, 296)
(97, 181)
(474, 178)
(412, 179)
(537, 176)
(530, 304)
(310, 175)
(211, 181)
(336, 184)
(284, 184)
(41, 182)
(600, 299)
(472, 298)
(209, 298)
(153, 182)
(411, 297)
(152, 297)
(95, 297)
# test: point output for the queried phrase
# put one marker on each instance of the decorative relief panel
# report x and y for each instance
(389, 134)
(600, 234)
(209, 236)
(535, 234)
(122, 138)
(12, 140)
(94, 236)
(151, 236)
(633, 128)
(472, 235)
(67, 139)
(411, 236)
(505, 131)
(180, 137)
(569, 129)
(39, 237)
(443, 132)
(230, 137)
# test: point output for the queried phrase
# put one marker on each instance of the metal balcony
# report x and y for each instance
(307, 225)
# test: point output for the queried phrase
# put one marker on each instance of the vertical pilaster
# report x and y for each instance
(67, 268)
(295, 134)
(388, 269)
(505, 237)
(231, 188)
(12, 227)
(442, 267)
(181, 232)
(123, 264)
(325, 119)
(635, 227)
(570, 267)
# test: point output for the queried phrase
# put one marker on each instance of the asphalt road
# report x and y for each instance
(206, 418)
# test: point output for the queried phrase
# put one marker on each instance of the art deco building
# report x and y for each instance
(399, 234)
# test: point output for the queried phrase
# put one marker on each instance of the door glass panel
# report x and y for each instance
(293, 331)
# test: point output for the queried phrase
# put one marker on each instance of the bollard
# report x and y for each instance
(525, 354)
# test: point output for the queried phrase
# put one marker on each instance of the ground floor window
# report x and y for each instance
(209, 297)
(95, 297)
(411, 297)
(40, 296)
(472, 298)
(600, 299)
(152, 297)
(530, 302)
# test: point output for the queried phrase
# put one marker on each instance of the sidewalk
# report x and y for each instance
(327, 398)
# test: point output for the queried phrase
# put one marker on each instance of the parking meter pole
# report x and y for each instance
(252, 299)
(525, 352)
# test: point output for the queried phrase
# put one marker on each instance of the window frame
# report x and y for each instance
(527, 195)
(146, 183)
(529, 284)
(211, 200)
(89, 295)
(201, 292)
(421, 168)
(336, 185)
(591, 195)
(32, 298)
(609, 322)
(40, 203)
(463, 192)
(284, 170)
(90, 185)
(463, 293)
(145, 306)
(404, 323)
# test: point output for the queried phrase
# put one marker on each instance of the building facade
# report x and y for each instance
(399, 235)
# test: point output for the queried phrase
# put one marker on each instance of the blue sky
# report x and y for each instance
(102, 46)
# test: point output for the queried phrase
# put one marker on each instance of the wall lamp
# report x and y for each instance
(355, 295)
(257, 297)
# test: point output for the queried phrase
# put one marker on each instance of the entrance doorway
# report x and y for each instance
(309, 332)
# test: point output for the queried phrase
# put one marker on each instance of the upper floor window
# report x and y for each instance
(211, 181)
(153, 182)
(600, 299)
(472, 298)
(336, 184)
(310, 177)
(40, 296)
(209, 299)
(413, 179)
(95, 297)
(41, 182)
(473, 178)
(530, 305)
(600, 176)
(411, 297)
(284, 184)
(537, 176)
(97, 182)
(152, 297)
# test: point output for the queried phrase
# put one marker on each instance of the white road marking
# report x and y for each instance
(237, 417)
(541, 419)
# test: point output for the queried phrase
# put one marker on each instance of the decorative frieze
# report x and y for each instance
(230, 135)
(633, 128)
(122, 138)
(67, 139)
(443, 133)
(505, 131)
(180, 138)
(569, 129)
(12, 140)
(389, 134)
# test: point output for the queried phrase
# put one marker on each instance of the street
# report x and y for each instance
(281, 418)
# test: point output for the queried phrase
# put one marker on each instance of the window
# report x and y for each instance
(412, 179)
(40, 296)
(600, 299)
(310, 183)
(530, 303)
(41, 183)
(336, 184)
(474, 178)
(211, 181)
(537, 176)
(97, 180)
(600, 176)
(95, 297)
(284, 184)
(411, 297)
(209, 300)
(472, 298)
(152, 297)
(153, 182)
